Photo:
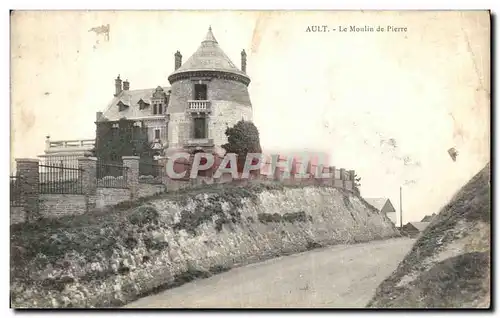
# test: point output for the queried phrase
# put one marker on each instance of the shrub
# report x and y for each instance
(143, 215)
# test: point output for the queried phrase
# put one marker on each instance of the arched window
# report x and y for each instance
(155, 109)
(160, 109)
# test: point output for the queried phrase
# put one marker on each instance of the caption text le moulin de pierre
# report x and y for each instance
(356, 28)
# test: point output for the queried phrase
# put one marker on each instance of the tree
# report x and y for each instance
(243, 138)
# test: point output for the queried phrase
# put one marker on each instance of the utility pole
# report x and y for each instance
(401, 207)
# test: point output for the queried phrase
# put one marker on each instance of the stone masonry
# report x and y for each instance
(89, 180)
(28, 173)
(37, 205)
(132, 163)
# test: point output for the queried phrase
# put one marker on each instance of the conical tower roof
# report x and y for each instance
(209, 57)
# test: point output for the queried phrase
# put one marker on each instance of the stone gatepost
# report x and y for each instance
(352, 175)
(132, 163)
(29, 178)
(88, 179)
(332, 178)
(342, 177)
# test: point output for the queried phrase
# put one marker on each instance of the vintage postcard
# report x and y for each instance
(250, 159)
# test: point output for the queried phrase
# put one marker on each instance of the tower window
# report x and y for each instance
(157, 134)
(200, 91)
(200, 130)
(155, 109)
(160, 109)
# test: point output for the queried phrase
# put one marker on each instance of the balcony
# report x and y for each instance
(68, 146)
(199, 106)
(202, 142)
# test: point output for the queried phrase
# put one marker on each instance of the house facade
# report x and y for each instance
(414, 229)
(384, 205)
(208, 94)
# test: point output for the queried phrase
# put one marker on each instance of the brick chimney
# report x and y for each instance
(118, 86)
(243, 61)
(178, 59)
(98, 116)
(126, 85)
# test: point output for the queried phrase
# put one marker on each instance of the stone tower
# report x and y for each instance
(208, 94)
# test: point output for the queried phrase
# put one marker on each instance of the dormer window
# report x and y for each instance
(142, 104)
(121, 106)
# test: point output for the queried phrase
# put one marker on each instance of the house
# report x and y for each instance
(207, 94)
(383, 205)
(413, 229)
(429, 218)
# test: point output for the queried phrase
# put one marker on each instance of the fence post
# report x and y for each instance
(163, 174)
(88, 180)
(27, 170)
(132, 163)
(332, 179)
(342, 177)
(352, 174)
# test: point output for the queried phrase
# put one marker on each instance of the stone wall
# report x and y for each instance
(175, 185)
(226, 90)
(230, 102)
(95, 196)
(146, 190)
(225, 114)
(111, 196)
(57, 205)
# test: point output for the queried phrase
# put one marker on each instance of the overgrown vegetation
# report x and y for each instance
(243, 138)
(107, 258)
(470, 206)
(287, 217)
(123, 138)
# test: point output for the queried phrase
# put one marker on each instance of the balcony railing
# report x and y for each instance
(199, 105)
(199, 142)
(71, 144)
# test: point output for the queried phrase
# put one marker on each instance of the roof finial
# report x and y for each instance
(210, 36)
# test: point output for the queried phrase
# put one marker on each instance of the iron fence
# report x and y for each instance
(111, 175)
(152, 173)
(60, 180)
(16, 193)
(69, 161)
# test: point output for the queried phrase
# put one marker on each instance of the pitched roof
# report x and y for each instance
(131, 99)
(209, 57)
(420, 226)
(377, 203)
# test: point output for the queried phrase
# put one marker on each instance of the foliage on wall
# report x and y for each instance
(123, 138)
(243, 138)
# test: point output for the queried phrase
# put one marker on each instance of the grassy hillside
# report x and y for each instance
(449, 265)
(110, 258)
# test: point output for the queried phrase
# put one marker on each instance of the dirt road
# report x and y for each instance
(339, 276)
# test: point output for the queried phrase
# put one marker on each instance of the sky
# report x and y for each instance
(388, 105)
